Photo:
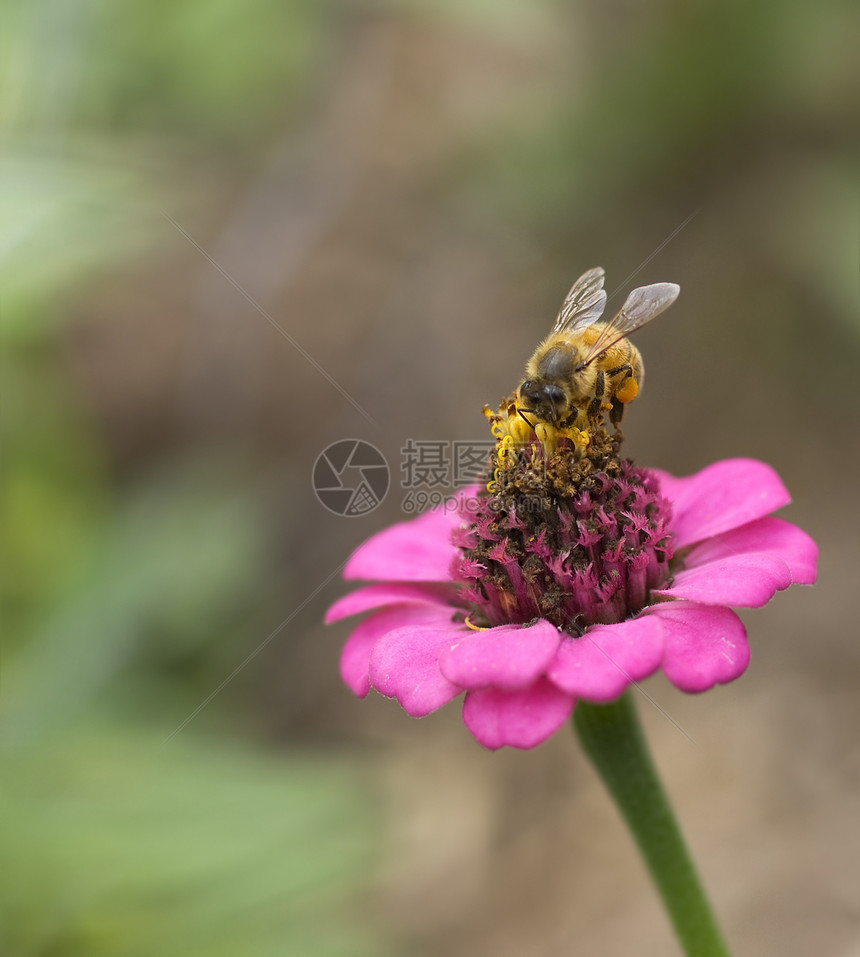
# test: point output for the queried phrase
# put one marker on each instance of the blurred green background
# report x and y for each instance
(407, 189)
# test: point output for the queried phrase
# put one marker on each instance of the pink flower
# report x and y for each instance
(546, 644)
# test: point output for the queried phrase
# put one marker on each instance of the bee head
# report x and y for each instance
(546, 399)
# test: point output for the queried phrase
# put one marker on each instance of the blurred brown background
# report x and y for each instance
(406, 191)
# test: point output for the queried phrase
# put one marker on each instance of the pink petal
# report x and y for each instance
(409, 551)
(463, 496)
(417, 550)
(374, 596)
(748, 581)
(607, 658)
(355, 657)
(771, 536)
(509, 656)
(404, 664)
(704, 644)
(747, 565)
(521, 719)
(721, 497)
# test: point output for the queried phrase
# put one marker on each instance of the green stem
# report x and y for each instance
(613, 739)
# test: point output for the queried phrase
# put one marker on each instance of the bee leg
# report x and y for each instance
(622, 368)
(594, 408)
(616, 413)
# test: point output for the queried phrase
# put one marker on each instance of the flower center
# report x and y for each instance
(566, 531)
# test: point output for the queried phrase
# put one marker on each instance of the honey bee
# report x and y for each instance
(585, 365)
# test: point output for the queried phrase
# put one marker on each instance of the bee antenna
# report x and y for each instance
(522, 414)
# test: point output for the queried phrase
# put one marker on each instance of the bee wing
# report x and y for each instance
(642, 305)
(584, 303)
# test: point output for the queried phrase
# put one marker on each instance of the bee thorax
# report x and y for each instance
(558, 362)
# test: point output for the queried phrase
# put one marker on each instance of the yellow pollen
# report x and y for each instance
(548, 437)
(627, 391)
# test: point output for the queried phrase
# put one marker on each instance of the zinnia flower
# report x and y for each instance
(573, 576)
